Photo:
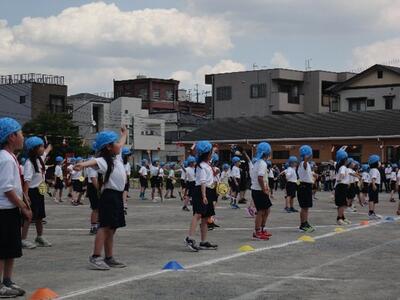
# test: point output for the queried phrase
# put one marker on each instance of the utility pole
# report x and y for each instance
(197, 93)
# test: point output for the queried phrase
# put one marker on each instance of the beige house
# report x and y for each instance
(377, 88)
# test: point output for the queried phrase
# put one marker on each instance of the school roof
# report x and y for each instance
(292, 127)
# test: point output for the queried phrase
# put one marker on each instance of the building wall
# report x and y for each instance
(41, 94)
(371, 93)
(372, 79)
(10, 101)
(368, 147)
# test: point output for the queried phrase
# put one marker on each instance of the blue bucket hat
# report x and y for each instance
(191, 159)
(235, 159)
(8, 126)
(144, 162)
(286, 165)
(33, 142)
(365, 168)
(373, 159)
(341, 155)
(59, 159)
(225, 167)
(203, 147)
(305, 151)
(78, 159)
(162, 164)
(263, 148)
(349, 161)
(103, 139)
(214, 158)
(395, 166)
(269, 163)
(23, 160)
(126, 151)
(185, 164)
(292, 159)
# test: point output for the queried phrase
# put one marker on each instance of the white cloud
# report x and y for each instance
(94, 43)
(383, 52)
(278, 60)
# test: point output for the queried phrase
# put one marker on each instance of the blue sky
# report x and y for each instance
(93, 42)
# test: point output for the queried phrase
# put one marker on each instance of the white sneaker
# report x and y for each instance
(6, 292)
(97, 263)
(341, 222)
(347, 222)
(27, 244)
(349, 210)
(354, 208)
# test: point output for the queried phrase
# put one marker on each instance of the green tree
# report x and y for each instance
(57, 128)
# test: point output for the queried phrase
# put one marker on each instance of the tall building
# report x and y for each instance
(25, 96)
(271, 91)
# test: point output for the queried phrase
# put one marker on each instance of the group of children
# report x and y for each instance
(23, 189)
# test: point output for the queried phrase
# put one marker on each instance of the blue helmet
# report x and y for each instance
(59, 159)
(103, 139)
(8, 126)
(203, 147)
(225, 167)
(126, 151)
(214, 158)
(292, 159)
(341, 155)
(305, 151)
(263, 149)
(235, 159)
(191, 159)
(373, 159)
(33, 142)
(365, 168)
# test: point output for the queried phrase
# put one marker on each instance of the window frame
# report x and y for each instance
(260, 88)
(224, 93)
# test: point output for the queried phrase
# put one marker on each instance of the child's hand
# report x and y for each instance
(124, 130)
(205, 201)
(27, 213)
(78, 167)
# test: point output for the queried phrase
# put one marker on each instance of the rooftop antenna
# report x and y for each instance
(308, 64)
(255, 66)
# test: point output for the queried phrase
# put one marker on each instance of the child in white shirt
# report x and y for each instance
(373, 191)
(235, 181)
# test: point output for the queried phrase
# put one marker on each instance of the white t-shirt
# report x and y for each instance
(58, 172)
(393, 176)
(171, 174)
(183, 173)
(351, 178)
(9, 179)
(225, 176)
(217, 175)
(388, 170)
(365, 177)
(34, 179)
(271, 173)
(235, 173)
(260, 169)
(190, 174)
(127, 167)
(343, 173)
(290, 174)
(91, 173)
(143, 171)
(117, 178)
(154, 170)
(161, 173)
(374, 174)
(75, 175)
(204, 175)
(305, 175)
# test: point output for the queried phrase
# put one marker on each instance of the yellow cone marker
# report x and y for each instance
(246, 248)
(307, 238)
(339, 230)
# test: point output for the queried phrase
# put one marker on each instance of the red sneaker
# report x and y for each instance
(266, 233)
(260, 236)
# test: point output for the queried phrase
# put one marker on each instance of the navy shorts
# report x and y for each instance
(304, 195)
(111, 209)
(10, 233)
(205, 210)
(37, 204)
(93, 196)
(261, 200)
(291, 188)
(373, 195)
(341, 194)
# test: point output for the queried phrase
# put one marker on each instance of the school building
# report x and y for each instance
(363, 133)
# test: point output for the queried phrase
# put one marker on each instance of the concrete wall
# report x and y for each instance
(371, 93)
(41, 96)
(10, 101)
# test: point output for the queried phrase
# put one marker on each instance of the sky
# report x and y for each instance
(93, 42)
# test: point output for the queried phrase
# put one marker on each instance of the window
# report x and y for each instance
(280, 154)
(224, 93)
(291, 90)
(326, 99)
(388, 102)
(258, 90)
(126, 111)
(169, 94)
(370, 102)
(56, 104)
(143, 94)
(357, 104)
(315, 153)
(22, 99)
(335, 105)
(156, 94)
(172, 158)
(380, 74)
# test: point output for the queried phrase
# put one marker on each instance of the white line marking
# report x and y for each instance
(215, 261)
(255, 293)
